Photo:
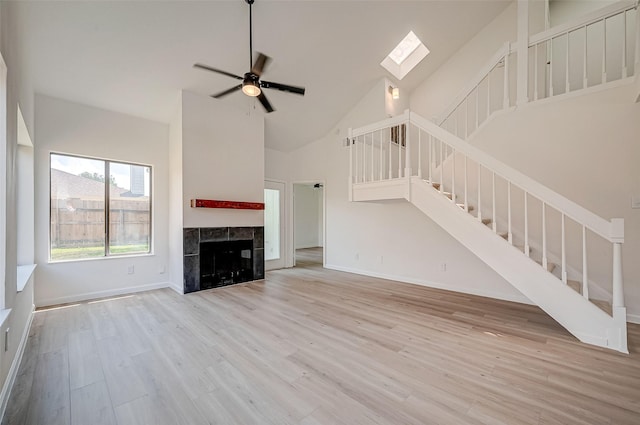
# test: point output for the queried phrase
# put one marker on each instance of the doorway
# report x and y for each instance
(308, 224)
(274, 222)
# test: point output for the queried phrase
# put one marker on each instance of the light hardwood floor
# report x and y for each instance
(309, 257)
(310, 346)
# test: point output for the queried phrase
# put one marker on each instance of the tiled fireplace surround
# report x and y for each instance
(193, 237)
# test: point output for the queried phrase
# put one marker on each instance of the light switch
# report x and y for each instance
(635, 202)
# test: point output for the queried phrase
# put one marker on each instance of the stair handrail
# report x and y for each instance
(612, 231)
(584, 20)
(474, 82)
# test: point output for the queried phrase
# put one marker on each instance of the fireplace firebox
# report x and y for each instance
(225, 263)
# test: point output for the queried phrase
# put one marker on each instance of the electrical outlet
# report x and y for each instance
(380, 259)
(635, 202)
(130, 270)
(162, 269)
(357, 256)
(443, 267)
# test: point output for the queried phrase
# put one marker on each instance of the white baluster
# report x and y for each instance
(349, 135)
(441, 166)
(399, 152)
(466, 200)
(505, 101)
(509, 234)
(636, 66)
(544, 236)
(453, 175)
(390, 160)
(564, 252)
(372, 156)
(604, 51)
(535, 72)
(381, 167)
(493, 195)
(364, 158)
(488, 95)
(357, 160)
(479, 192)
(550, 67)
(430, 158)
(466, 118)
(567, 83)
(624, 45)
(585, 78)
(477, 106)
(527, 250)
(585, 277)
(419, 152)
(407, 161)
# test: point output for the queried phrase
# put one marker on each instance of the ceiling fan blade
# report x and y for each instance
(283, 87)
(226, 92)
(260, 63)
(208, 68)
(263, 99)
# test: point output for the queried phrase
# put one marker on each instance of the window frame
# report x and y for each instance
(107, 169)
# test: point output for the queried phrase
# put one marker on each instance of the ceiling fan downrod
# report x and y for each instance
(250, 3)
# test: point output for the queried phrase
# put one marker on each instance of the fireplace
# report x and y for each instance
(219, 256)
(225, 263)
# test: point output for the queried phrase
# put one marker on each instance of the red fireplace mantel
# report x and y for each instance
(235, 205)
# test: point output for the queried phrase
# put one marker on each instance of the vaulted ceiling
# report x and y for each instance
(135, 56)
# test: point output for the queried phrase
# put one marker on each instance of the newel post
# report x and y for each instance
(350, 142)
(523, 52)
(617, 226)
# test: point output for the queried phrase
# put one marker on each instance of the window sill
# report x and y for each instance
(110, 257)
(24, 274)
(4, 315)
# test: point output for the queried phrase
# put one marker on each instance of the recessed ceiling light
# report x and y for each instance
(405, 56)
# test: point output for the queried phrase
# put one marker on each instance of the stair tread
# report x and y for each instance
(575, 285)
(550, 266)
(603, 305)
(470, 207)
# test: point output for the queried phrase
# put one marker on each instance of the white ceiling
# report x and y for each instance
(134, 57)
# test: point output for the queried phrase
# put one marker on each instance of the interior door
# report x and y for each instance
(274, 236)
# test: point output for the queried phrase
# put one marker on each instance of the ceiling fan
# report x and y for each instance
(251, 84)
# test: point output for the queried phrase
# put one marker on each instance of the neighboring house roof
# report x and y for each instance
(67, 186)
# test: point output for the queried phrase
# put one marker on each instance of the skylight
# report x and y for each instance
(405, 48)
(405, 56)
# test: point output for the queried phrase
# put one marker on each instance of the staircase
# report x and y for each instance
(505, 218)
(548, 247)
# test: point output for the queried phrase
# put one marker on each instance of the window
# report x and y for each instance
(93, 216)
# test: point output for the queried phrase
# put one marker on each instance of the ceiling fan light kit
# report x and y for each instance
(251, 83)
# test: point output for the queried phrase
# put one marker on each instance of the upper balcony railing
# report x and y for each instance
(594, 49)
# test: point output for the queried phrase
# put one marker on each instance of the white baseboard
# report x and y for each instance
(633, 318)
(15, 365)
(102, 294)
(436, 285)
(178, 289)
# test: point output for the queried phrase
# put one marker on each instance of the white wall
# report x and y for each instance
(307, 211)
(21, 303)
(437, 92)
(71, 128)
(222, 159)
(393, 240)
